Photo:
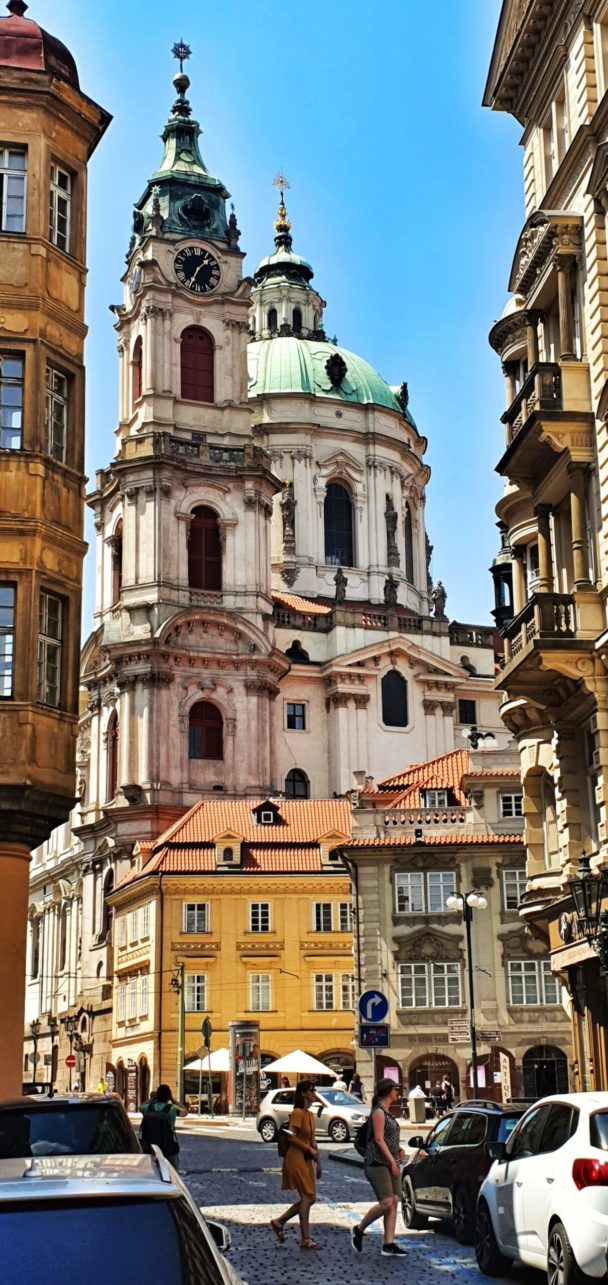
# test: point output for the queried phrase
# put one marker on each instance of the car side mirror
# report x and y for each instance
(496, 1150)
(417, 1141)
(219, 1234)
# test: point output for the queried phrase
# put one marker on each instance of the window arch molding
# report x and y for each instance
(206, 731)
(339, 526)
(197, 365)
(394, 699)
(137, 359)
(297, 784)
(409, 543)
(206, 547)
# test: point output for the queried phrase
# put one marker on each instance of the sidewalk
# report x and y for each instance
(348, 1156)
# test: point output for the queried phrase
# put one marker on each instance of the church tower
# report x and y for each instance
(181, 666)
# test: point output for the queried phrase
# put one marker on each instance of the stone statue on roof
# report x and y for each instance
(340, 581)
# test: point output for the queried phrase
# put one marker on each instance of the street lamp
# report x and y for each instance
(35, 1030)
(468, 902)
(53, 1026)
(474, 736)
(588, 891)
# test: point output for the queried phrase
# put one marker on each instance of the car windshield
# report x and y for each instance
(598, 1130)
(102, 1240)
(506, 1127)
(94, 1129)
(338, 1098)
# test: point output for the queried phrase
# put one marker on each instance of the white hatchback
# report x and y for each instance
(545, 1198)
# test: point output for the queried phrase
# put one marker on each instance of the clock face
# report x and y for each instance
(197, 270)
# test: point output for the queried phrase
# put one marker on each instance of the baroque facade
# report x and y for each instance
(446, 827)
(265, 622)
(549, 70)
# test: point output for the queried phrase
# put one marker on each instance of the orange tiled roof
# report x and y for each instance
(307, 606)
(443, 773)
(303, 821)
(459, 838)
(293, 859)
(505, 771)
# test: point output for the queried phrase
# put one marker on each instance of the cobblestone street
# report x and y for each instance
(237, 1181)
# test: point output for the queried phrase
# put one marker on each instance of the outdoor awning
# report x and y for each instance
(299, 1063)
(220, 1061)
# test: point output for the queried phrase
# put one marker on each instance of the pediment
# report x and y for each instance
(402, 650)
(340, 462)
(428, 945)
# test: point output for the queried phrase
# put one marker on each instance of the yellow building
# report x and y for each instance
(240, 911)
(49, 130)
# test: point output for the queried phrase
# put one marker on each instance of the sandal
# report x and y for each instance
(309, 1244)
(278, 1230)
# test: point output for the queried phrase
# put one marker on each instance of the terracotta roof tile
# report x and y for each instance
(506, 771)
(443, 773)
(307, 606)
(303, 821)
(432, 840)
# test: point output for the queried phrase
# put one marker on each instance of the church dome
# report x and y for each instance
(24, 45)
(288, 364)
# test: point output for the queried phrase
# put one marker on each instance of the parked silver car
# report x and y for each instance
(339, 1115)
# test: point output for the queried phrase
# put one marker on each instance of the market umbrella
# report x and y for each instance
(220, 1061)
(299, 1063)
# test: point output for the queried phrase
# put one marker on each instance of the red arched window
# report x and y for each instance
(206, 732)
(204, 551)
(117, 562)
(197, 365)
(136, 367)
(112, 755)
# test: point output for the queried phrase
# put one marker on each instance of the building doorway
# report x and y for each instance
(545, 1069)
(143, 1080)
(426, 1069)
(121, 1083)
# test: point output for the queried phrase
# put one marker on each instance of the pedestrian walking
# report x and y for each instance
(356, 1088)
(383, 1157)
(158, 1122)
(301, 1166)
(339, 1082)
(448, 1092)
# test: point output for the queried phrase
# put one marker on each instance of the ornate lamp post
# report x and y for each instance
(53, 1026)
(468, 902)
(588, 891)
(35, 1032)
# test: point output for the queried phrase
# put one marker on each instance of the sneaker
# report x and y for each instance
(356, 1239)
(393, 1251)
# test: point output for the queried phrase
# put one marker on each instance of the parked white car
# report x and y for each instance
(545, 1199)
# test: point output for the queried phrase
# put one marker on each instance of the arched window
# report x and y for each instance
(339, 543)
(205, 732)
(106, 910)
(112, 756)
(136, 371)
(273, 320)
(204, 551)
(197, 365)
(296, 321)
(409, 545)
(63, 939)
(394, 700)
(35, 956)
(117, 563)
(297, 785)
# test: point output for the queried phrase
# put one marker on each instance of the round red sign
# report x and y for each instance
(70, 1060)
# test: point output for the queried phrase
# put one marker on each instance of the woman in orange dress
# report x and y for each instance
(301, 1166)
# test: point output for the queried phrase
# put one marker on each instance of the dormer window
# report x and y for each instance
(435, 798)
(267, 818)
(267, 813)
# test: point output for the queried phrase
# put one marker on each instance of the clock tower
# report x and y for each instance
(181, 665)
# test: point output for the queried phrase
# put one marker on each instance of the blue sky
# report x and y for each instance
(406, 197)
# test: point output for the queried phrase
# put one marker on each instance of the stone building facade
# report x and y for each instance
(549, 70)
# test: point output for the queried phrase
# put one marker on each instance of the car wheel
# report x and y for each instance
(268, 1130)
(461, 1216)
(489, 1258)
(338, 1131)
(412, 1219)
(561, 1263)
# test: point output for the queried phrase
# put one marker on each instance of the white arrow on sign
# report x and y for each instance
(374, 1002)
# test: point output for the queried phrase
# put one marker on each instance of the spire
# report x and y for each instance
(282, 226)
(182, 197)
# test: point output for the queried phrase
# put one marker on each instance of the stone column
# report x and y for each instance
(429, 707)
(565, 267)
(580, 545)
(532, 338)
(510, 389)
(545, 568)
(167, 316)
(14, 865)
(519, 580)
(361, 704)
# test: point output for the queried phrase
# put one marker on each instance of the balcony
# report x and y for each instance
(550, 414)
(542, 390)
(551, 634)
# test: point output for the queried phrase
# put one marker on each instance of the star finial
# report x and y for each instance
(182, 52)
(282, 224)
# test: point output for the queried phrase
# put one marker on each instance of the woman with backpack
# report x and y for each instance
(383, 1157)
(301, 1166)
(158, 1118)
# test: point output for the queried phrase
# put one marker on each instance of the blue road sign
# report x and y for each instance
(373, 1037)
(373, 1006)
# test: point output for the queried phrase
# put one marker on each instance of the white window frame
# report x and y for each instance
(133, 927)
(260, 917)
(57, 405)
(195, 994)
(133, 988)
(9, 175)
(320, 917)
(196, 917)
(122, 1000)
(143, 994)
(345, 916)
(347, 992)
(430, 985)
(513, 882)
(12, 395)
(420, 888)
(542, 985)
(60, 207)
(145, 920)
(260, 992)
(435, 798)
(50, 650)
(514, 806)
(122, 932)
(323, 992)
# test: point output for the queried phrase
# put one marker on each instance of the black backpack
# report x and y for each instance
(362, 1136)
(156, 1129)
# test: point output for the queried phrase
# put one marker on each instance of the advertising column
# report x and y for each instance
(244, 1086)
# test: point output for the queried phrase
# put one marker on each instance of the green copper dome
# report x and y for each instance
(287, 364)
